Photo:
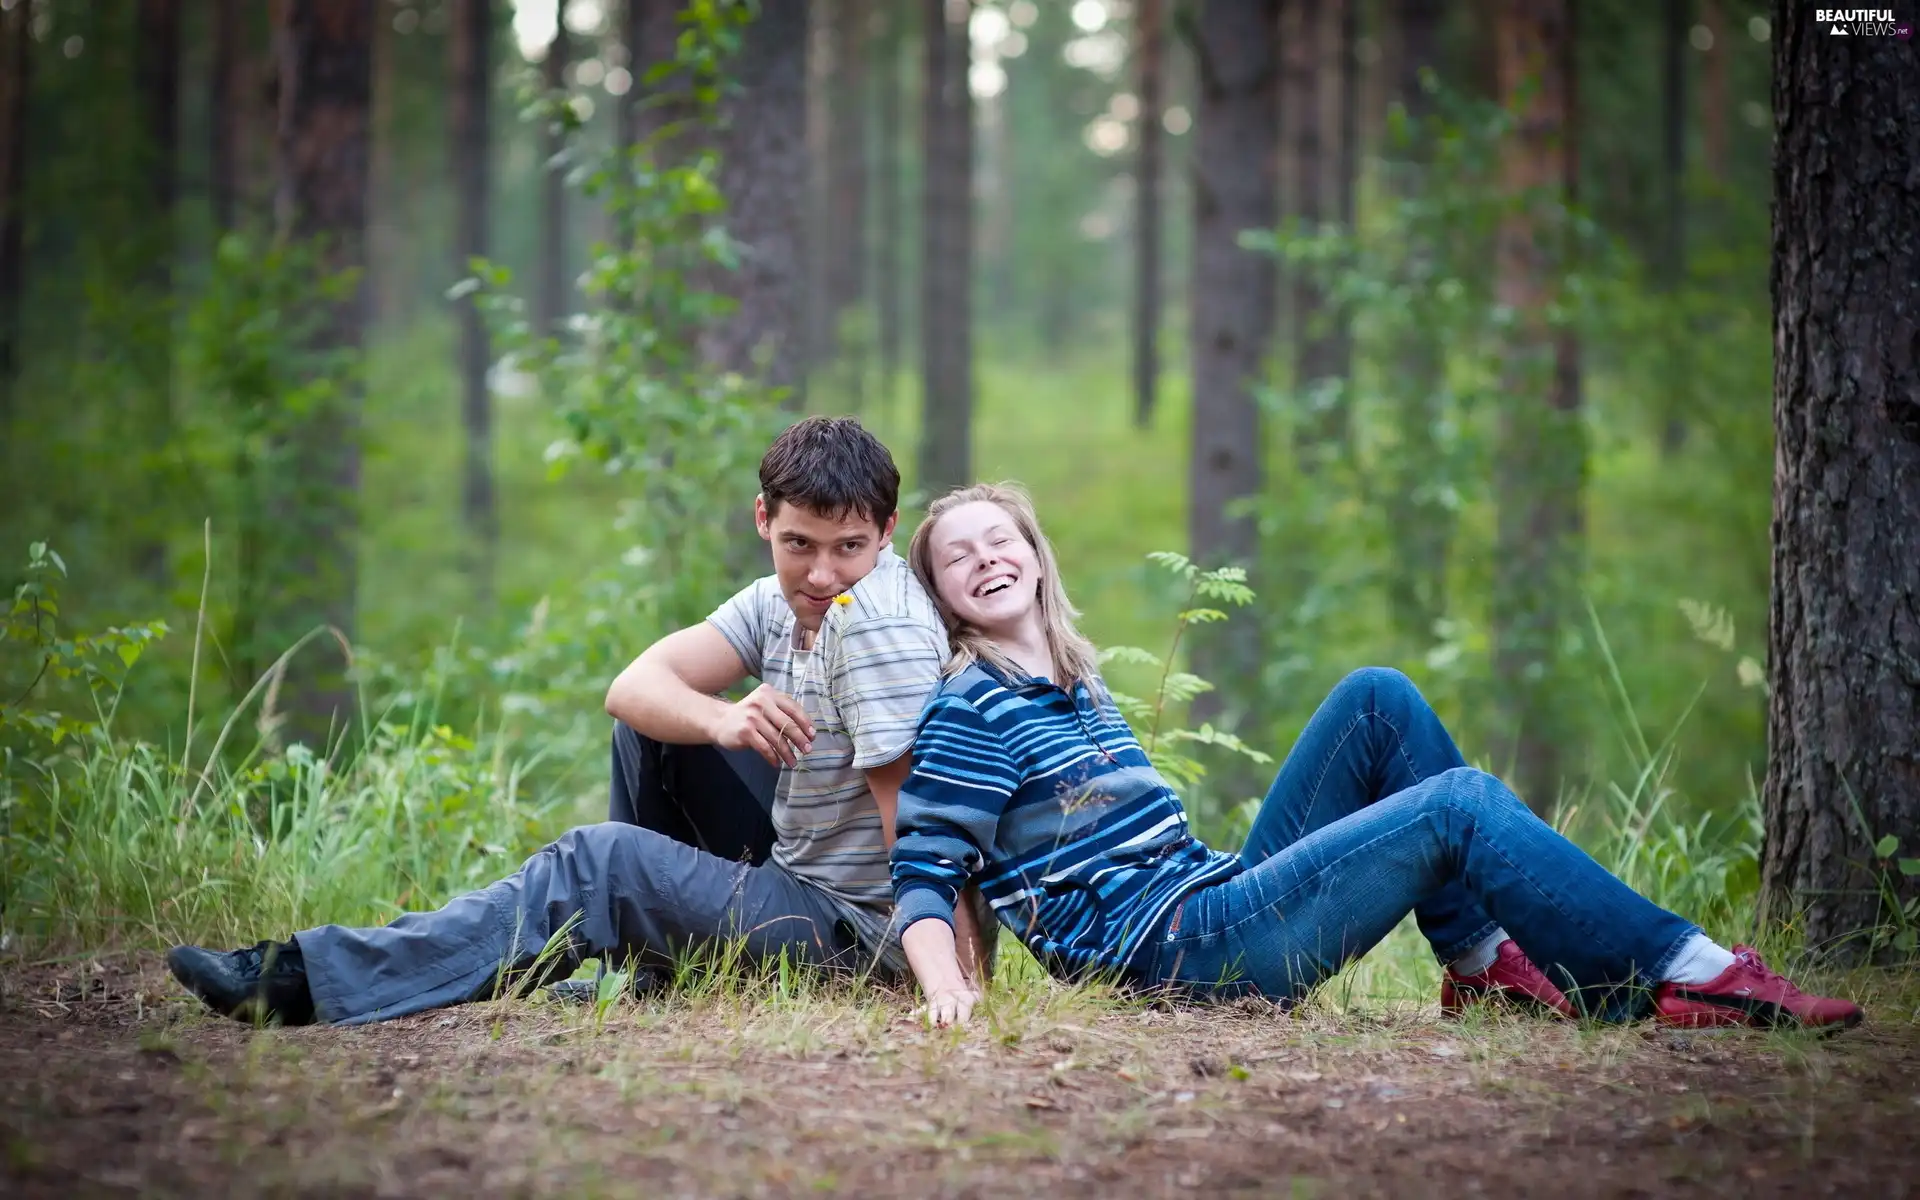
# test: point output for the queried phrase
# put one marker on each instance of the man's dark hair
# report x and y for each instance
(830, 466)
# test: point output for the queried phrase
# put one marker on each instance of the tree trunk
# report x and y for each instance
(1150, 50)
(470, 63)
(1843, 636)
(1671, 271)
(946, 262)
(550, 307)
(888, 201)
(156, 70)
(1231, 305)
(1303, 114)
(1421, 525)
(763, 173)
(1343, 24)
(326, 84)
(224, 94)
(1539, 453)
(387, 258)
(1713, 90)
(16, 45)
(847, 170)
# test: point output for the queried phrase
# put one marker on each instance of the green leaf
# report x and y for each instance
(1910, 867)
(129, 652)
(1906, 940)
(1129, 654)
(1202, 616)
(1886, 846)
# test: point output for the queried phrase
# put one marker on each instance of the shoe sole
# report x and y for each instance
(1755, 1014)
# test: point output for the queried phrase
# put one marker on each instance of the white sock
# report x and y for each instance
(1700, 960)
(1481, 956)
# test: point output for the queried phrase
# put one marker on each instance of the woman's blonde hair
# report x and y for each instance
(1073, 655)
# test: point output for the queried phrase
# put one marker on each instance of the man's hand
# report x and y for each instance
(768, 722)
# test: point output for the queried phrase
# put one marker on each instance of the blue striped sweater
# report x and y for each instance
(1046, 800)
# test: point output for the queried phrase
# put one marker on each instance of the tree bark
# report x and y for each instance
(1421, 525)
(470, 62)
(224, 93)
(1231, 305)
(16, 45)
(1671, 271)
(1713, 91)
(946, 262)
(156, 69)
(550, 307)
(1843, 636)
(847, 172)
(1540, 452)
(1150, 49)
(326, 81)
(763, 173)
(891, 103)
(1304, 44)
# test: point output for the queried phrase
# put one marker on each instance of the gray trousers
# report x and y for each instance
(627, 892)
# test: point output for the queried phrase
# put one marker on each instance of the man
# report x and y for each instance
(848, 649)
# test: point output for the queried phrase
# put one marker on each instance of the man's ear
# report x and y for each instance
(886, 531)
(761, 521)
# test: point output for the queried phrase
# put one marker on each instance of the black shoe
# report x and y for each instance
(266, 981)
(644, 982)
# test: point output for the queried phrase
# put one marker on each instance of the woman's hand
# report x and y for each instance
(930, 952)
(951, 1006)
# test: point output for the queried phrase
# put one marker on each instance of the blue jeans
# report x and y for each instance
(1374, 815)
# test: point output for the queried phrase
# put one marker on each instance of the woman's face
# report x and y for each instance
(986, 573)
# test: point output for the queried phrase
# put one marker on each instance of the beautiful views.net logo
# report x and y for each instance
(1862, 22)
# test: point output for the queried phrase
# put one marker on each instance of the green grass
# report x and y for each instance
(127, 845)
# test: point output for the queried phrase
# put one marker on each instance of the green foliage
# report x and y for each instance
(112, 840)
(627, 378)
(1180, 767)
(98, 662)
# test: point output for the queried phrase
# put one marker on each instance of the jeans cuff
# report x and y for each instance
(1456, 950)
(1659, 972)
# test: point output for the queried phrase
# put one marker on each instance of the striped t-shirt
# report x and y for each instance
(874, 665)
(1046, 800)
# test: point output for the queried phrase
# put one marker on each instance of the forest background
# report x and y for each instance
(416, 400)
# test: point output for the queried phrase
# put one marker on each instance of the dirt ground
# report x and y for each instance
(112, 1083)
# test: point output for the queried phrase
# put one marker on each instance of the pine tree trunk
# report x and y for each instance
(326, 84)
(224, 94)
(1235, 188)
(1539, 453)
(1671, 270)
(551, 303)
(387, 258)
(1421, 525)
(946, 263)
(763, 173)
(470, 62)
(16, 44)
(888, 199)
(1343, 24)
(1150, 36)
(1843, 637)
(156, 69)
(1303, 113)
(1713, 90)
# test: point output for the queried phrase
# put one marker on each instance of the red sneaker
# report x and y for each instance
(1512, 977)
(1749, 993)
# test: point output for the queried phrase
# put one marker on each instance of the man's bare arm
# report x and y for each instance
(670, 694)
(885, 782)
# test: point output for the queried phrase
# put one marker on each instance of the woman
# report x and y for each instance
(1027, 781)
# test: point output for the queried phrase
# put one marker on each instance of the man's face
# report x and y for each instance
(816, 559)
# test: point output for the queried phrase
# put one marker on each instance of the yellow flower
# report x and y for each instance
(843, 599)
